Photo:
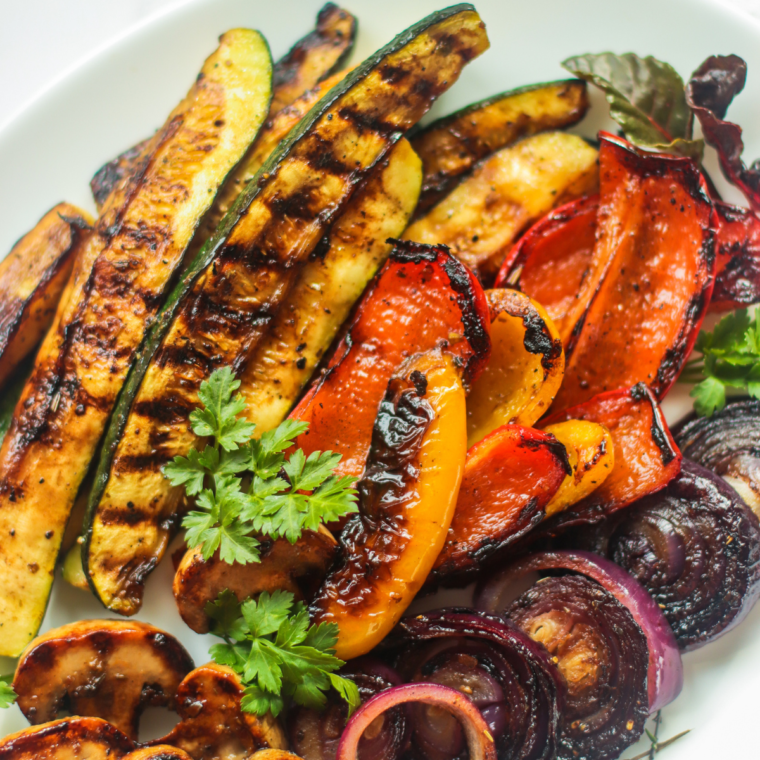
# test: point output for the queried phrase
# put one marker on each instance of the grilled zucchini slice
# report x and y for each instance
(115, 171)
(228, 298)
(32, 278)
(312, 59)
(328, 287)
(120, 280)
(480, 219)
(274, 131)
(451, 146)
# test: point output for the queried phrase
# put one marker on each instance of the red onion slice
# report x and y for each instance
(665, 672)
(479, 740)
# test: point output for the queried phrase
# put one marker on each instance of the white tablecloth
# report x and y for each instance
(39, 39)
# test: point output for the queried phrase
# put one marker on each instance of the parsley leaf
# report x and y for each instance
(730, 358)
(7, 695)
(278, 655)
(226, 616)
(219, 418)
(269, 613)
(285, 496)
(188, 471)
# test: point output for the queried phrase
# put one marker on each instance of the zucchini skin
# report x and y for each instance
(11, 394)
(508, 191)
(32, 278)
(312, 59)
(114, 294)
(230, 294)
(274, 131)
(452, 145)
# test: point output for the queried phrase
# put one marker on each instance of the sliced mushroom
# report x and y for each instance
(159, 752)
(213, 725)
(110, 669)
(299, 568)
(67, 739)
(82, 739)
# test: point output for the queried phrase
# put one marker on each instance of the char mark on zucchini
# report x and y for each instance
(118, 282)
(322, 52)
(451, 146)
(33, 277)
(314, 57)
(221, 309)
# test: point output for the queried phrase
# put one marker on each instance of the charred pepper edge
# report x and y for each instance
(462, 283)
(208, 251)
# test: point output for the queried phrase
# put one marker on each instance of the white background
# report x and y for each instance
(41, 39)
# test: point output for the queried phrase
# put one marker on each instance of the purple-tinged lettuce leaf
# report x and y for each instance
(709, 92)
(646, 98)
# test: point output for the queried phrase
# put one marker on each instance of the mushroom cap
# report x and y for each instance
(110, 669)
(77, 738)
(159, 752)
(213, 725)
(299, 568)
(67, 739)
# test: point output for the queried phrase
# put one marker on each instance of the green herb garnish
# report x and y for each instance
(277, 654)
(646, 98)
(730, 358)
(244, 486)
(7, 695)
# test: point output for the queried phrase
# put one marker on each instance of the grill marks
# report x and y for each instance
(451, 146)
(253, 261)
(32, 279)
(314, 57)
(235, 299)
(118, 284)
(327, 287)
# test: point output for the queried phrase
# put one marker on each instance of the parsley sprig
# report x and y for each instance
(7, 695)
(730, 358)
(243, 486)
(277, 654)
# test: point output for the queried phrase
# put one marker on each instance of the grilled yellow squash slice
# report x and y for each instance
(451, 146)
(118, 284)
(32, 278)
(228, 299)
(313, 58)
(480, 219)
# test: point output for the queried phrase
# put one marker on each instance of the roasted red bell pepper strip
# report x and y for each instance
(737, 258)
(646, 456)
(509, 478)
(422, 298)
(655, 243)
(552, 261)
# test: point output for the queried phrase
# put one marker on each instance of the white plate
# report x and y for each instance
(49, 152)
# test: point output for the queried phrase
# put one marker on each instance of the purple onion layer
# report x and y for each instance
(517, 686)
(695, 547)
(665, 670)
(728, 444)
(603, 655)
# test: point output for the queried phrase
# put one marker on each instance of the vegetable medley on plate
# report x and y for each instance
(352, 361)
